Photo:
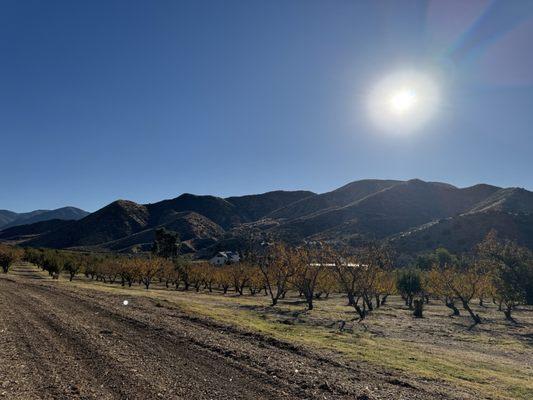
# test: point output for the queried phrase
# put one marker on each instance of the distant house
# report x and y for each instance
(225, 257)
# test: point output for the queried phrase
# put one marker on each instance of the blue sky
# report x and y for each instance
(145, 100)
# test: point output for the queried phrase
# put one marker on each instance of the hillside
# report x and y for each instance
(6, 217)
(193, 228)
(513, 200)
(463, 232)
(10, 219)
(389, 211)
(340, 197)
(201, 220)
(416, 215)
(21, 232)
(255, 207)
(118, 219)
(217, 209)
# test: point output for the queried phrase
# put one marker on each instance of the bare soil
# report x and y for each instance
(66, 342)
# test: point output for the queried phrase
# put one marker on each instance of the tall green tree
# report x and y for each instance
(409, 285)
(167, 244)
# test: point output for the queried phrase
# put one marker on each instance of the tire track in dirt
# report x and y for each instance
(64, 359)
(318, 376)
(120, 361)
(143, 351)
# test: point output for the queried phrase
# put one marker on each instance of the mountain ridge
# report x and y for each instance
(9, 219)
(391, 210)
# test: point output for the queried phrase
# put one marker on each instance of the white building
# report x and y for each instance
(225, 257)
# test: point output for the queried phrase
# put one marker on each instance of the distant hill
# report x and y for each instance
(413, 215)
(200, 219)
(9, 219)
(21, 232)
(6, 217)
(118, 219)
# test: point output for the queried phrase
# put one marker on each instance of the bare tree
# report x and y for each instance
(277, 267)
(308, 263)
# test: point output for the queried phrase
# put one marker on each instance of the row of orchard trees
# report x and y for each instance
(366, 275)
(500, 270)
(108, 268)
(314, 271)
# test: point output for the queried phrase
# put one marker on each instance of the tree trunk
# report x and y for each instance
(410, 302)
(419, 308)
(360, 312)
(310, 302)
(368, 301)
(451, 305)
(476, 318)
(351, 300)
(508, 313)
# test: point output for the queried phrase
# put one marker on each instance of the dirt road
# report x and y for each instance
(61, 342)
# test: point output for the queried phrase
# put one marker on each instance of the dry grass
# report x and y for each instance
(493, 359)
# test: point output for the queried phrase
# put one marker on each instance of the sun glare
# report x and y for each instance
(403, 102)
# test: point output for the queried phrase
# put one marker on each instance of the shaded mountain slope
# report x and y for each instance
(38, 228)
(514, 200)
(217, 209)
(340, 197)
(200, 217)
(15, 219)
(463, 232)
(6, 217)
(118, 219)
(389, 211)
(257, 206)
(360, 210)
(192, 227)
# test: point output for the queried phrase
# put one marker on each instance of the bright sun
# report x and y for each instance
(404, 101)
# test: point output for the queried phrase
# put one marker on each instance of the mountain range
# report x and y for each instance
(10, 219)
(414, 216)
